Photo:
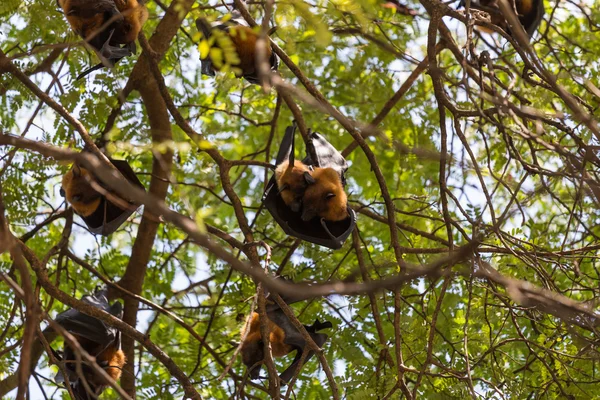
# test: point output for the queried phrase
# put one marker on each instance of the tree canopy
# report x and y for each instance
(474, 172)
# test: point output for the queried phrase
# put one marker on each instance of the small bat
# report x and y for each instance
(325, 196)
(99, 340)
(101, 215)
(292, 180)
(233, 44)
(284, 339)
(106, 25)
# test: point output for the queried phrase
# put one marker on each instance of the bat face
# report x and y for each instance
(292, 183)
(78, 191)
(325, 197)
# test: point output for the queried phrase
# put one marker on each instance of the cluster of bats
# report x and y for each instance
(104, 343)
(111, 28)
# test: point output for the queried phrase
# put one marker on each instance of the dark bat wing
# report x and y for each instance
(286, 148)
(295, 339)
(206, 64)
(204, 26)
(108, 217)
(327, 156)
(85, 326)
(110, 55)
(531, 21)
(274, 61)
(88, 9)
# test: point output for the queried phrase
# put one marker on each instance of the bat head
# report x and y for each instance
(324, 197)
(111, 359)
(78, 192)
(253, 353)
(292, 180)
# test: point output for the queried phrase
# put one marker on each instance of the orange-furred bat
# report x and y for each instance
(284, 339)
(324, 197)
(292, 181)
(233, 44)
(110, 26)
(78, 191)
(530, 13)
(99, 340)
(101, 215)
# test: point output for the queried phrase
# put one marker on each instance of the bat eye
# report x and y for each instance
(62, 192)
(77, 197)
(329, 196)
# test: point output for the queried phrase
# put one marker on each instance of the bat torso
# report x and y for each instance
(326, 197)
(236, 47)
(101, 17)
(78, 192)
(111, 359)
(135, 15)
(277, 336)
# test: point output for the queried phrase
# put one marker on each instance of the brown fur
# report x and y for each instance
(252, 345)
(78, 191)
(523, 9)
(326, 197)
(136, 15)
(114, 357)
(87, 17)
(116, 361)
(87, 23)
(293, 182)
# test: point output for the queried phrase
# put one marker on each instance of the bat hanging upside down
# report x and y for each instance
(284, 339)
(96, 338)
(105, 212)
(232, 44)
(111, 27)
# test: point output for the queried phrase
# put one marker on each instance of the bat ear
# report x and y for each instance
(309, 179)
(76, 170)
(284, 187)
(329, 195)
(290, 166)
